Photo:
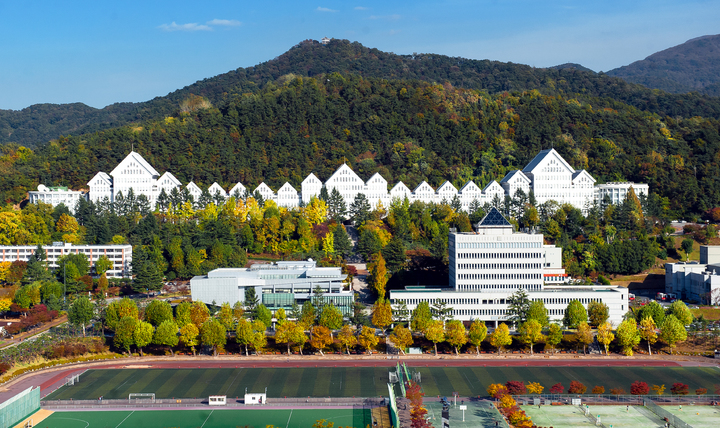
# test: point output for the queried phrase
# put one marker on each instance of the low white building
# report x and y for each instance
(120, 255)
(276, 285)
(696, 282)
(489, 265)
(617, 191)
(55, 196)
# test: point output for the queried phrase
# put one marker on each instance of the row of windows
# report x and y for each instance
(496, 245)
(499, 276)
(499, 286)
(499, 255)
(479, 311)
(565, 301)
(499, 266)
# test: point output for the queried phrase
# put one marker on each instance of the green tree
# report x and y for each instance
(118, 309)
(605, 336)
(336, 206)
(537, 311)
(225, 316)
(341, 242)
(681, 312)
(394, 255)
(250, 334)
(652, 310)
(672, 331)
(531, 333)
(478, 333)
(189, 335)
(182, 314)
(584, 335)
(347, 337)
(331, 317)
(687, 247)
(158, 311)
(102, 265)
(81, 312)
(575, 314)
(360, 209)
(143, 335)
(213, 334)
(421, 317)
(37, 269)
(500, 338)
(554, 336)
(166, 334)
(147, 277)
(307, 315)
(367, 339)
(125, 333)
(628, 336)
(518, 306)
(598, 313)
(455, 334)
(263, 314)
(251, 299)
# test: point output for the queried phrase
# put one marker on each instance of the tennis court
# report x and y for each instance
(697, 416)
(571, 416)
(478, 414)
(219, 418)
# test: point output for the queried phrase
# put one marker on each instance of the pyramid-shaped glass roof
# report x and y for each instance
(494, 218)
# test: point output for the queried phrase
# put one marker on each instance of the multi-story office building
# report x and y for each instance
(696, 282)
(277, 285)
(489, 265)
(119, 255)
(55, 196)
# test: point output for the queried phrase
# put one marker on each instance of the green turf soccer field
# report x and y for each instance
(361, 381)
(259, 418)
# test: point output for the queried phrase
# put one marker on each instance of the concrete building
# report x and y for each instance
(277, 285)
(696, 282)
(120, 255)
(617, 192)
(489, 265)
(55, 196)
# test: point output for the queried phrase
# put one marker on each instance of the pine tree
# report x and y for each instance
(336, 206)
(360, 209)
(341, 242)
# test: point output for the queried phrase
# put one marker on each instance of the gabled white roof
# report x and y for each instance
(287, 188)
(102, 177)
(423, 186)
(447, 186)
(134, 156)
(470, 186)
(263, 188)
(493, 186)
(376, 175)
(344, 167)
(170, 177)
(310, 178)
(400, 187)
(577, 174)
(239, 188)
(193, 188)
(542, 156)
(216, 188)
(516, 175)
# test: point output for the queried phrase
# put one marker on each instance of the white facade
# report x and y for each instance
(696, 282)
(489, 265)
(548, 175)
(617, 192)
(120, 255)
(55, 196)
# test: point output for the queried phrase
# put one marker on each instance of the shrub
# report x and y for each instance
(603, 280)
(598, 390)
(639, 388)
(577, 388)
(700, 391)
(617, 391)
(680, 388)
(558, 388)
(515, 387)
(659, 389)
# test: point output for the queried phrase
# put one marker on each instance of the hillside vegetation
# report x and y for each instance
(407, 130)
(38, 124)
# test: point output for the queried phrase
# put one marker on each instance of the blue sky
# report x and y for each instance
(99, 52)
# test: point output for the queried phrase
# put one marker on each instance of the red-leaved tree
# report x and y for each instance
(639, 388)
(701, 391)
(515, 387)
(577, 388)
(558, 388)
(680, 388)
(417, 411)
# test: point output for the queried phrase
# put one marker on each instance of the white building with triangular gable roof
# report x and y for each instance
(551, 177)
(238, 191)
(400, 191)
(346, 182)
(194, 191)
(584, 186)
(287, 196)
(470, 192)
(167, 182)
(514, 181)
(216, 189)
(101, 187)
(266, 192)
(310, 187)
(492, 190)
(376, 190)
(446, 192)
(135, 173)
(424, 193)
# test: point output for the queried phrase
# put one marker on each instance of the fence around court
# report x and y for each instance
(674, 421)
(310, 402)
(620, 400)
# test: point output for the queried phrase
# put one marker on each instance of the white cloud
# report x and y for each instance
(361, 8)
(325, 9)
(191, 26)
(387, 17)
(224, 22)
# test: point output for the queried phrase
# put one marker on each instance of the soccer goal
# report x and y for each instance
(417, 377)
(393, 377)
(72, 380)
(142, 397)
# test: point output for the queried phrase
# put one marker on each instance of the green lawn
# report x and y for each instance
(219, 418)
(362, 381)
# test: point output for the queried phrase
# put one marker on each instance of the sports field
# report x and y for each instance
(255, 418)
(361, 381)
(697, 416)
(571, 416)
(478, 414)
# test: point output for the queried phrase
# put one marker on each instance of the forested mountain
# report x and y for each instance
(407, 130)
(40, 123)
(691, 66)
